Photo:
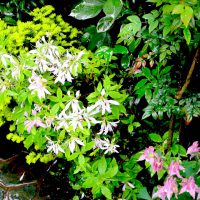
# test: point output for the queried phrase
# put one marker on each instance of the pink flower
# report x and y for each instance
(148, 155)
(193, 149)
(157, 164)
(174, 169)
(188, 185)
(167, 190)
(36, 122)
(153, 158)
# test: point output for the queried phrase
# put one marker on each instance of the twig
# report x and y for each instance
(179, 95)
(10, 187)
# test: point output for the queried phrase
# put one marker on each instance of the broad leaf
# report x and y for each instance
(102, 165)
(87, 9)
(112, 8)
(106, 192)
(187, 15)
(105, 23)
(155, 137)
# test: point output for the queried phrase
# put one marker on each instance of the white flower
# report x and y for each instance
(98, 143)
(73, 103)
(106, 145)
(129, 184)
(53, 146)
(37, 84)
(89, 117)
(16, 72)
(2, 86)
(107, 126)
(104, 104)
(72, 143)
(109, 147)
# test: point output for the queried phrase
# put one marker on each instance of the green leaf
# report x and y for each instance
(106, 192)
(182, 151)
(166, 30)
(148, 94)
(125, 61)
(87, 9)
(120, 49)
(187, 35)
(147, 72)
(81, 160)
(174, 149)
(143, 194)
(153, 25)
(133, 27)
(165, 70)
(112, 170)
(89, 182)
(28, 141)
(102, 165)
(187, 15)
(155, 137)
(178, 9)
(55, 109)
(105, 23)
(112, 8)
(105, 52)
(59, 93)
(140, 84)
(146, 114)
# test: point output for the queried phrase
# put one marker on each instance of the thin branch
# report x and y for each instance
(9, 187)
(179, 95)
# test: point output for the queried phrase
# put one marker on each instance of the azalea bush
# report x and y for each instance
(180, 175)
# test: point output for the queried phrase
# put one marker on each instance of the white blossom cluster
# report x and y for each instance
(63, 67)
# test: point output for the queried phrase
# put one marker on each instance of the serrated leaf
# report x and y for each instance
(155, 137)
(87, 9)
(105, 23)
(187, 35)
(106, 192)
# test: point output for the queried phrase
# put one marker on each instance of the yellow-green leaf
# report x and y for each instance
(187, 15)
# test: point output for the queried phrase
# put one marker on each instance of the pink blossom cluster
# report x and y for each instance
(193, 150)
(153, 158)
(170, 186)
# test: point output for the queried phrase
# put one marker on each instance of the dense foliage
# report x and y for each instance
(97, 97)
